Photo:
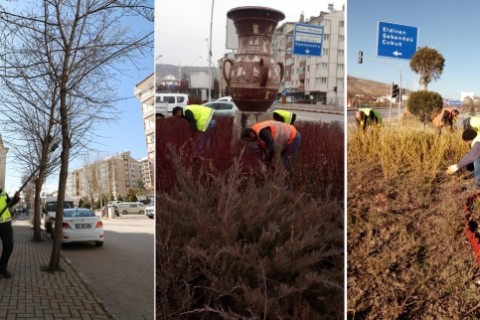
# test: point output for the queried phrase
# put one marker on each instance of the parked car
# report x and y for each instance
(165, 102)
(226, 98)
(105, 211)
(150, 210)
(81, 225)
(131, 207)
(222, 108)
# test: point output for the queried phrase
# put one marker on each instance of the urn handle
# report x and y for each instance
(282, 71)
(264, 67)
(227, 78)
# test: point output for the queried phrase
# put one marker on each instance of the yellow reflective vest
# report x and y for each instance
(287, 115)
(202, 115)
(6, 216)
(366, 111)
(475, 123)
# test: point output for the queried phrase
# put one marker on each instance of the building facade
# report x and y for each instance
(145, 93)
(3, 163)
(312, 79)
(114, 176)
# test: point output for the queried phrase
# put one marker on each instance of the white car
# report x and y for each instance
(226, 98)
(150, 210)
(81, 225)
(222, 108)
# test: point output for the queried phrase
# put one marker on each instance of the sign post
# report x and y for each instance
(396, 41)
(307, 40)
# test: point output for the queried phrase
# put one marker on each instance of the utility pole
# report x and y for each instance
(210, 56)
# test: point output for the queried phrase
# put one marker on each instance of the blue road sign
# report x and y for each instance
(396, 41)
(454, 103)
(307, 40)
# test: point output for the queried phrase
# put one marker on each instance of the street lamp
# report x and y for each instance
(210, 56)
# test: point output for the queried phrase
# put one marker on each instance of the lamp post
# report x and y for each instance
(210, 56)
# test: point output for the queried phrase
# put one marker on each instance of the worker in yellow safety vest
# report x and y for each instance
(367, 116)
(201, 121)
(6, 231)
(284, 116)
(472, 122)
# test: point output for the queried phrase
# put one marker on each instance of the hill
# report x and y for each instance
(359, 86)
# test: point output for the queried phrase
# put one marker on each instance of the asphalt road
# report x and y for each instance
(122, 271)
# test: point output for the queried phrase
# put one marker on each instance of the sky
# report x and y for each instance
(124, 134)
(182, 27)
(451, 27)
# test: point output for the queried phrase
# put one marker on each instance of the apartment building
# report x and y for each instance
(317, 80)
(145, 93)
(115, 175)
(3, 163)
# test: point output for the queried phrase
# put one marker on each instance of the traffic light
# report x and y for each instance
(360, 57)
(395, 90)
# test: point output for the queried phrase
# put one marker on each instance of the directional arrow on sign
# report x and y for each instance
(396, 41)
(307, 51)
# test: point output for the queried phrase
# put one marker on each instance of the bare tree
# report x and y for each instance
(82, 42)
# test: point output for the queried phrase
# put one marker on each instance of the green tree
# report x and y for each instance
(131, 196)
(423, 104)
(428, 63)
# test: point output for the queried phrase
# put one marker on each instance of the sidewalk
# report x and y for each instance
(33, 293)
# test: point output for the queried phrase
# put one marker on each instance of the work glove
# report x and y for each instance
(452, 169)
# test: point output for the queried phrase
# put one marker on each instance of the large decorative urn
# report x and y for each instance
(253, 77)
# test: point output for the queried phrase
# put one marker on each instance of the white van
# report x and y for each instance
(131, 207)
(165, 102)
(49, 210)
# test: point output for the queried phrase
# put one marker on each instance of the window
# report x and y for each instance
(320, 81)
(326, 37)
(340, 67)
(341, 53)
(341, 38)
(322, 66)
(325, 52)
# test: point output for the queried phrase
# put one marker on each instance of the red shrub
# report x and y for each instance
(318, 169)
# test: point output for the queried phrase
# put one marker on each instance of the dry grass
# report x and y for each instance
(408, 257)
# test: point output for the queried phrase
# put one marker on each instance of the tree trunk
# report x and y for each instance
(37, 211)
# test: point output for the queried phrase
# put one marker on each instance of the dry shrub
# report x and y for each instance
(408, 257)
(238, 249)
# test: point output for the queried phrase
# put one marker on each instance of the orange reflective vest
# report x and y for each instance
(280, 131)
